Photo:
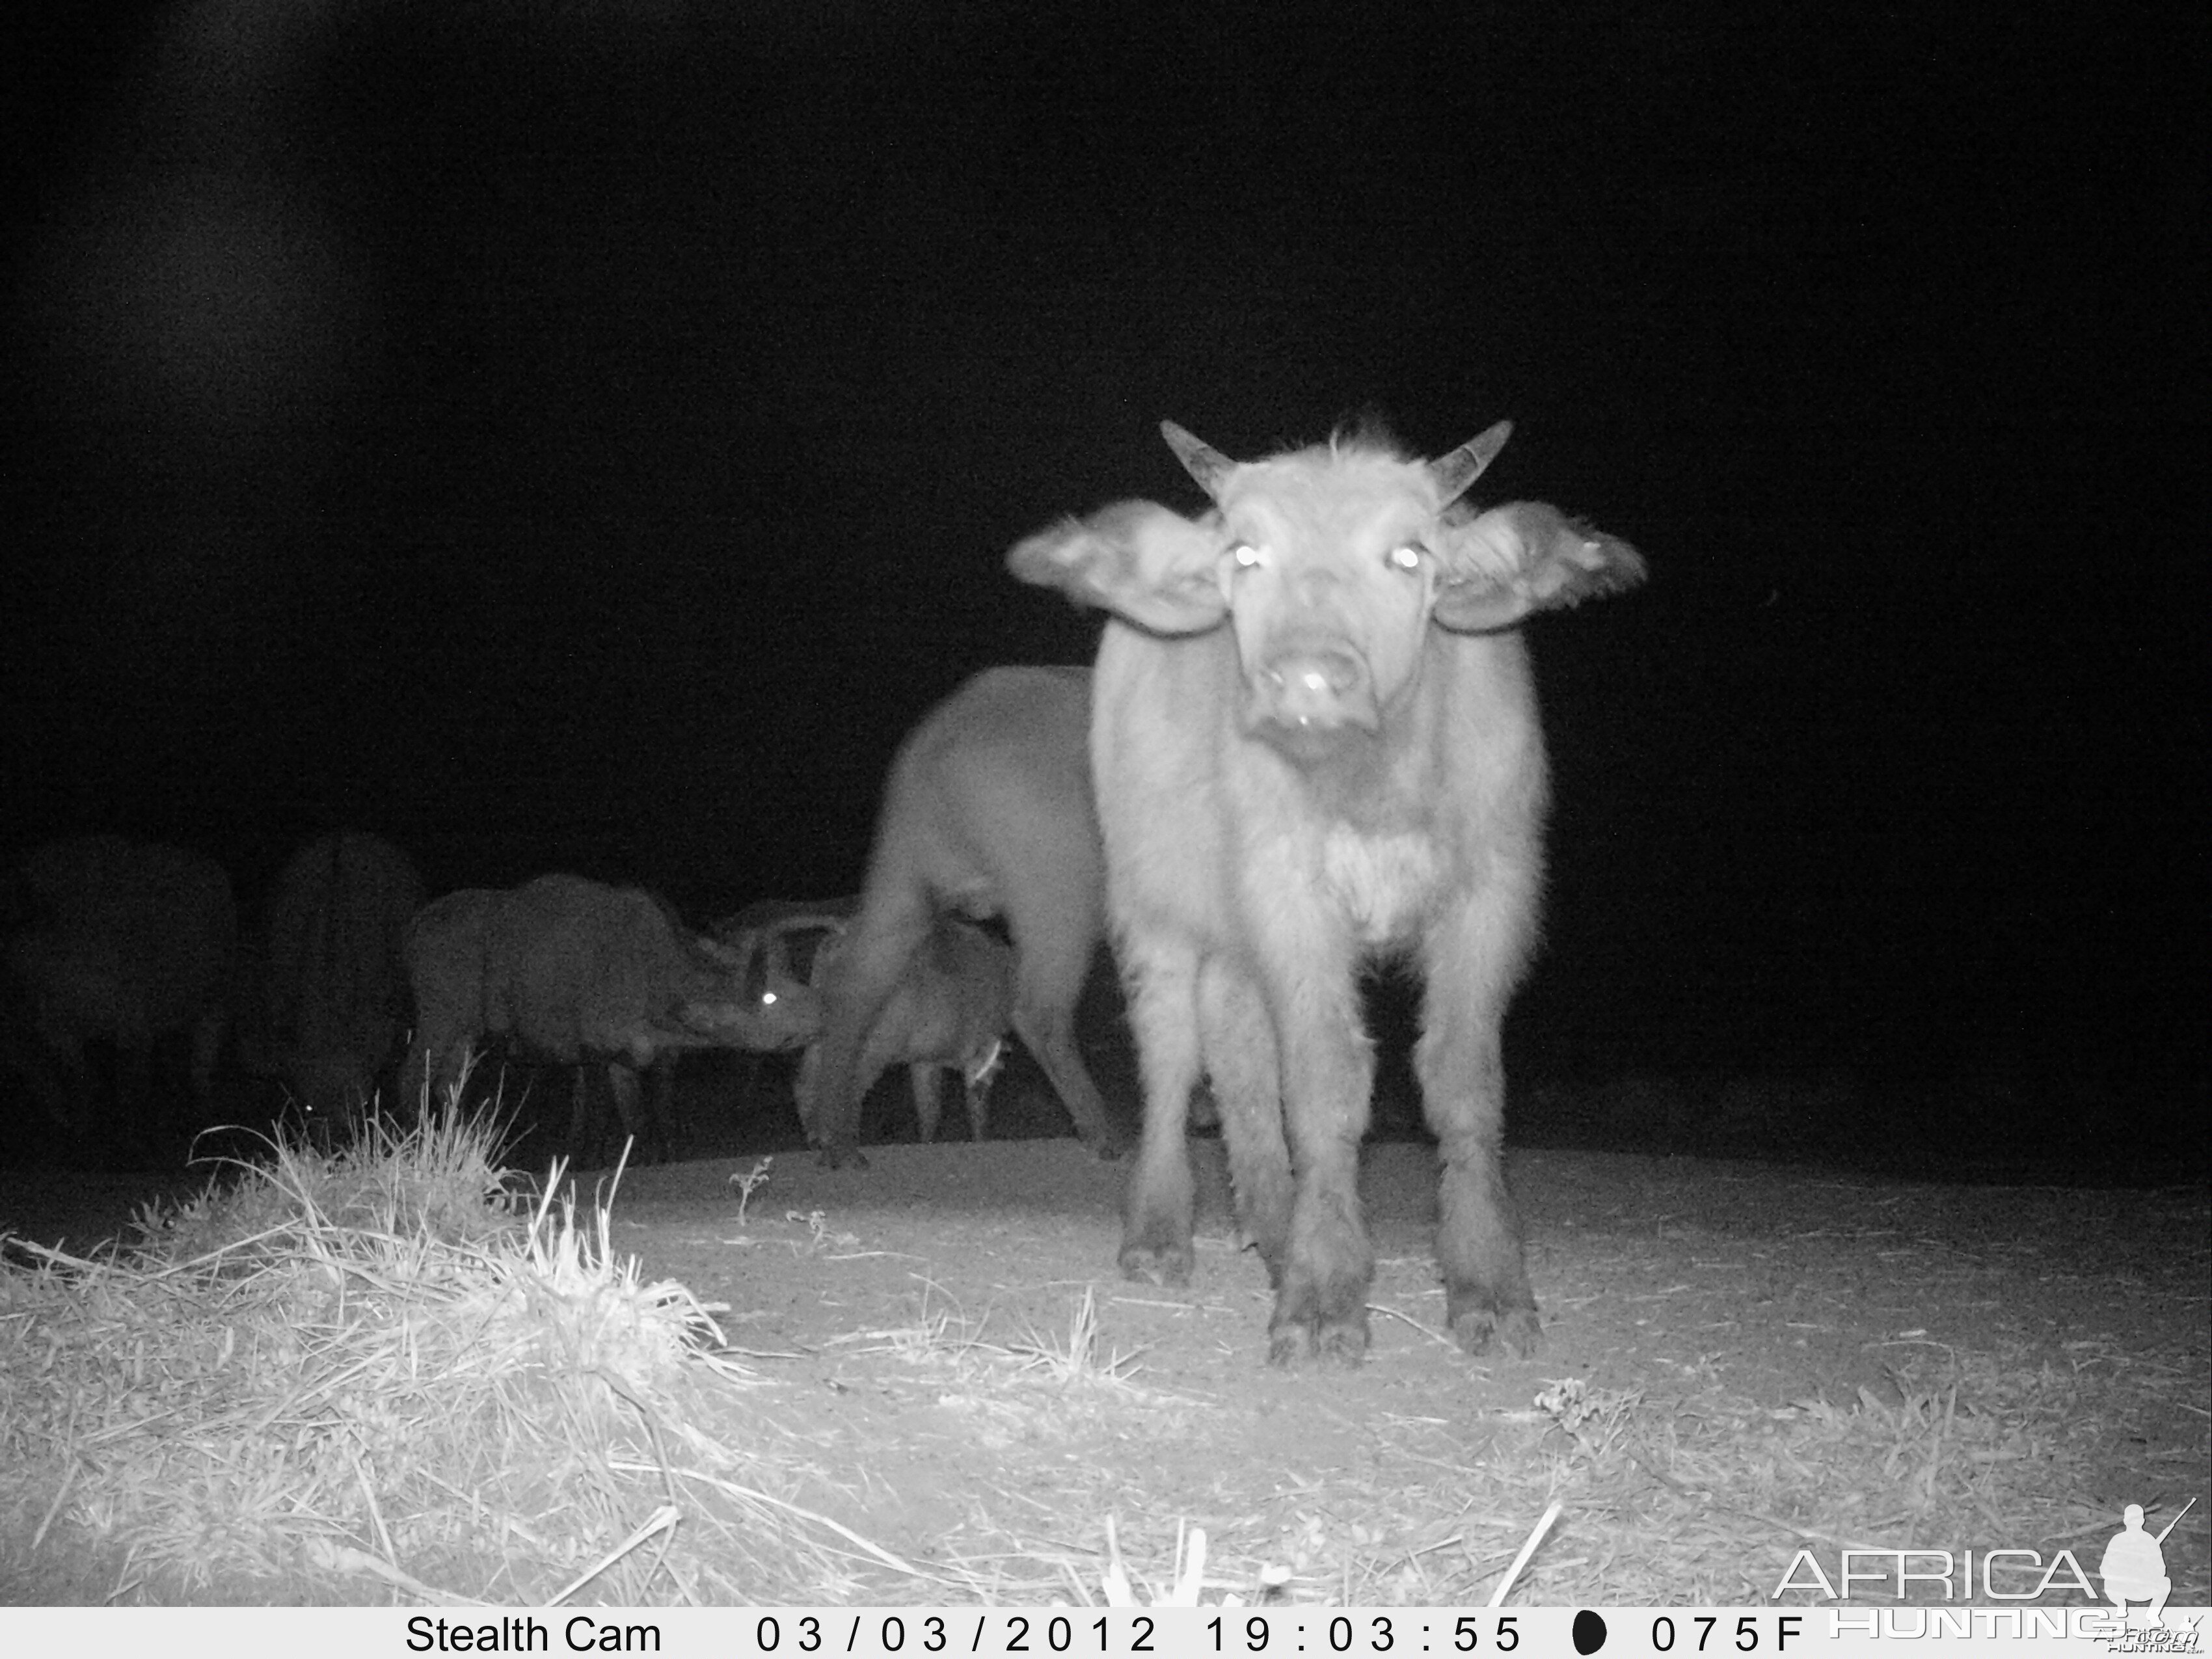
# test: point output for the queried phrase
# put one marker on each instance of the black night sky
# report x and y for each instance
(586, 436)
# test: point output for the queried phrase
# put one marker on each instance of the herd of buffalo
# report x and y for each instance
(1309, 742)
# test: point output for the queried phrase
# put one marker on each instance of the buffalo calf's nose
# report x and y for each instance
(1313, 685)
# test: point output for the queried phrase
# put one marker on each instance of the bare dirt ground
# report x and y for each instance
(1741, 1361)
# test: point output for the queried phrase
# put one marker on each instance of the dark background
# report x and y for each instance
(586, 436)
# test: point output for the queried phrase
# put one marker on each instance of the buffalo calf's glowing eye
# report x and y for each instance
(1407, 558)
(1244, 556)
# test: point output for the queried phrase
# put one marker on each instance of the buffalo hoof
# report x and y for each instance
(1341, 1341)
(1476, 1328)
(1107, 1145)
(1273, 1260)
(838, 1158)
(1157, 1264)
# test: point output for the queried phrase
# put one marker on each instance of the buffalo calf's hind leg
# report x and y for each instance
(1156, 1222)
(922, 1081)
(1053, 958)
(1240, 1058)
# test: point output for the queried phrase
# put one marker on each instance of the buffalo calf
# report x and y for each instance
(951, 1010)
(987, 815)
(1314, 745)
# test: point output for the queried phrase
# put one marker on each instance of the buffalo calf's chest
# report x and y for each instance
(1381, 883)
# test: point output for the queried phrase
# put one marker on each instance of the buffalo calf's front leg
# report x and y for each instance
(1239, 1043)
(1329, 1070)
(1475, 956)
(1487, 1293)
(1321, 1308)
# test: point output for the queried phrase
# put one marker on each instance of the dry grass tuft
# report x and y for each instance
(945, 1338)
(1076, 1360)
(382, 1373)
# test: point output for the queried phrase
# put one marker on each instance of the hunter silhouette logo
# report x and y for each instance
(2134, 1567)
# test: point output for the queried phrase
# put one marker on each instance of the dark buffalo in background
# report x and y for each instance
(324, 1007)
(114, 975)
(580, 973)
(791, 939)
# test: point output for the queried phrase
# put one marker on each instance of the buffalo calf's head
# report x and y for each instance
(1330, 565)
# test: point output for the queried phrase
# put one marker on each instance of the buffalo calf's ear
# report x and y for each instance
(1144, 563)
(1524, 557)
